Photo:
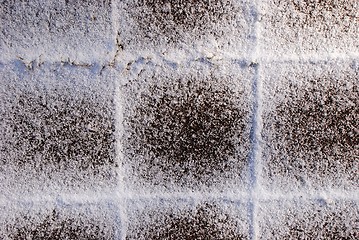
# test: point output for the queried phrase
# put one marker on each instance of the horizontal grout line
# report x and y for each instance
(243, 61)
(309, 58)
(115, 198)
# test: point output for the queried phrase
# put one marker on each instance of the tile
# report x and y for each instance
(50, 221)
(157, 25)
(57, 129)
(310, 127)
(312, 219)
(80, 31)
(165, 219)
(294, 27)
(186, 127)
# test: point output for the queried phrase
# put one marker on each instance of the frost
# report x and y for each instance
(186, 128)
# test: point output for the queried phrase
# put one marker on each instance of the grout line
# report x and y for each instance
(311, 58)
(119, 156)
(255, 135)
(109, 197)
(121, 221)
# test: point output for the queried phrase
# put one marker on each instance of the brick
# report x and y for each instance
(310, 126)
(164, 219)
(219, 26)
(48, 221)
(186, 127)
(308, 27)
(57, 30)
(309, 219)
(57, 129)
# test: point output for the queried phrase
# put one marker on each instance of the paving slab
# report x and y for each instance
(80, 31)
(310, 127)
(300, 28)
(164, 219)
(57, 129)
(186, 126)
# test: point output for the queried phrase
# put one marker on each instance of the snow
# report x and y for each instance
(142, 119)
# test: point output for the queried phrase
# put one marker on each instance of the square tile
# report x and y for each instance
(221, 26)
(310, 125)
(79, 31)
(312, 219)
(182, 219)
(299, 28)
(57, 129)
(186, 127)
(50, 221)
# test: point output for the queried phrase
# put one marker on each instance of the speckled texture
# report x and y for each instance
(220, 25)
(187, 129)
(308, 27)
(310, 125)
(75, 30)
(188, 220)
(85, 222)
(301, 219)
(57, 125)
(174, 119)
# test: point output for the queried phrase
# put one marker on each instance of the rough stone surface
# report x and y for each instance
(53, 30)
(187, 129)
(318, 219)
(222, 25)
(57, 126)
(203, 220)
(310, 125)
(308, 27)
(88, 222)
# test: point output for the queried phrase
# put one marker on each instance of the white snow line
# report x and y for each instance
(309, 57)
(199, 196)
(109, 197)
(255, 137)
(119, 157)
(121, 203)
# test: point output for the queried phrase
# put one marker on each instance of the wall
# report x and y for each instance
(154, 119)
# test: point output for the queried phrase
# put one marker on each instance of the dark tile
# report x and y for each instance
(184, 220)
(310, 125)
(309, 27)
(149, 24)
(186, 128)
(58, 126)
(317, 219)
(57, 30)
(51, 222)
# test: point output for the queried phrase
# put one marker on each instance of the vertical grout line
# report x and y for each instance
(120, 195)
(255, 135)
(120, 200)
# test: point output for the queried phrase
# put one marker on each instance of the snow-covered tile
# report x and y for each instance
(80, 31)
(310, 125)
(303, 28)
(184, 219)
(57, 129)
(302, 219)
(194, 27)
(50, 221)
(186, 126)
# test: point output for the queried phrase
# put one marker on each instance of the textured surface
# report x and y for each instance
(188, 220)
(309, 27)
(311, 125)
(157, 25)
(57, 126)
(188, 128)
(174, 119)
(317, 219)
(66, 222)
(79, 31)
